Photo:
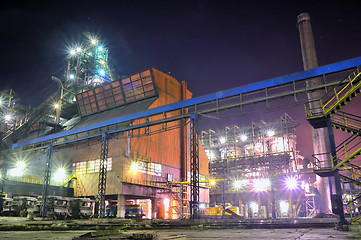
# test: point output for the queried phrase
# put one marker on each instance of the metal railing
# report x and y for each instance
(323, 106)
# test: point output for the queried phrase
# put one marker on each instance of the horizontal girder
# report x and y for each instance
(222, 100)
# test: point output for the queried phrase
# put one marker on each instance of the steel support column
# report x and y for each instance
(194, 162)
(46, 183)
(338, 203)
(3, 178)
(103, 174)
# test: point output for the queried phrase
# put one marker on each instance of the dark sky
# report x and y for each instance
(213, 45)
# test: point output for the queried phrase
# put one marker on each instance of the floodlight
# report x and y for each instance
(284, 206)
(270, 133)
(78, 49)
(72, 52)
(243, 137)
(7, 117)
(291, 182)
(222, 140)
(60, 175)
(237, 184)
(19, 169)
(93, 41)
(134, 167)
(101, 72)
(261, 185)
(254, 206)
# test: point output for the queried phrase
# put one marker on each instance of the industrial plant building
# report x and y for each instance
(134, 141)
(140, 166)
(260, 168)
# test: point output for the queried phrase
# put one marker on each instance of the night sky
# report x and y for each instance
(213, 45)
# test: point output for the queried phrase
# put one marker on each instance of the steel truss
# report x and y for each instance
(47, 178)
(290, 86)
(194, 152)
(103, 173)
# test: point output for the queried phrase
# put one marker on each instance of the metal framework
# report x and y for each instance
(292, 85)
(194, 152)
(268, 91)
(3, 178)
(47, 178)
(103, 174)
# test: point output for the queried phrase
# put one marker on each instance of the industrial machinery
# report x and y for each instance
(18, 206)
(81, 207)
(134, 211)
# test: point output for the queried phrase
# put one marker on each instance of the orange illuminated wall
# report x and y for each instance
(167, 147)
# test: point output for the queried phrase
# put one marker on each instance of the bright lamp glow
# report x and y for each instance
(78, 49)
(72, 52)
(254, 206)
(100, 49)
(243, 137)
(7, 117)
(101, 72)
(212, 182)
(238, 184)
(93, 41)
(270, 133)
(284, 206)
(261, 185)
(134, 167)
(202, 206)
(60, 175)
(56, 105)
(18, 170)
(222, 140)
(291, 183)
(71, 76)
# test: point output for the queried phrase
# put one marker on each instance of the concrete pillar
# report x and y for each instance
(154, 208)
(320, 136)
(121, 206)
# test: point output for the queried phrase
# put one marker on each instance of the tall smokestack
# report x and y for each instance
(320, 136)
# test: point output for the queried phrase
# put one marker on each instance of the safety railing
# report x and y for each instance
(146, 183)
(323, 106)
(353, 212)
(347, 120)
(348, 151)
(322, 161)
(341, 94)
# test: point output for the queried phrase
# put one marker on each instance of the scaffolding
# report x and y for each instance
(251, 154)
(252, 151)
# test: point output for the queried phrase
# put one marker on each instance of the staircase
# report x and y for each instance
(328, 108)
(347, 122)
(354, 204)
(319, 110)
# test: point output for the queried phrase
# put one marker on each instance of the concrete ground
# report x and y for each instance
(182, 234)
(172, 230)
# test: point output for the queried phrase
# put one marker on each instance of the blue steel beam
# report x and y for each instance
(273, 82)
